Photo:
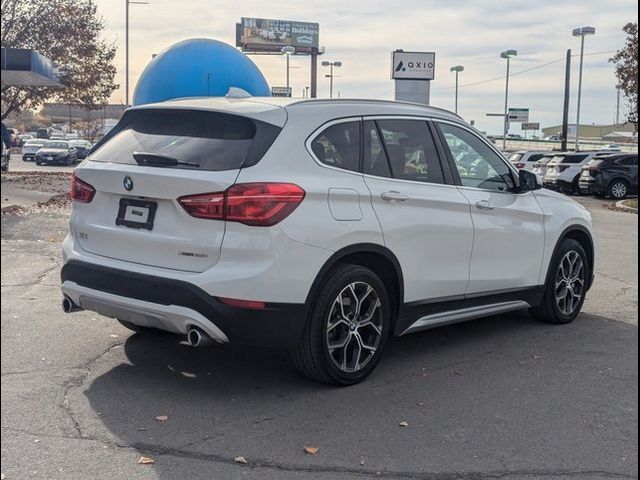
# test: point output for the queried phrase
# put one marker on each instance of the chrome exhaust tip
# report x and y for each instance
(197, 337)
(68, 306)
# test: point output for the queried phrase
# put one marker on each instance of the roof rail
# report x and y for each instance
(377, 100)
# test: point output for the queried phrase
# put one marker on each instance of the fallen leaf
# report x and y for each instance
(145, 461)
(311, 450)
(240, 459)
(403, 424)
(162, 418)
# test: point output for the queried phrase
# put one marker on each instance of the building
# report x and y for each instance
(596, 132)
(62, 112)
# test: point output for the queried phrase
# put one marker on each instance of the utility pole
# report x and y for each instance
(126, 47)
(581, 32)
(508, 55)
(567, 95)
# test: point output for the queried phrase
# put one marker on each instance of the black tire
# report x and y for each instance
(549, 311)
(619, 189)
(38, 163)
(312, 357)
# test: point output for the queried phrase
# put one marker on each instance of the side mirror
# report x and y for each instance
(528, 181)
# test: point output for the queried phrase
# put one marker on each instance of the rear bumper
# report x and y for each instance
(175, 305)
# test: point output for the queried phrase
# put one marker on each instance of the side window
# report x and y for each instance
(629, 161)
(339, 146)
(479, 166)
(410, 150)
(535, 158)
(375, 159)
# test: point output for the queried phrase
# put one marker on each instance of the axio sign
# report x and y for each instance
(413, 65)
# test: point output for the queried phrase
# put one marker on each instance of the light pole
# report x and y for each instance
(126, 47)
(581, 32)
(287, 52)
(457, 69)
(330, 76)
(508, 55)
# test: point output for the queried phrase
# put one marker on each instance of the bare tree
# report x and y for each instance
(69, 32)
(626, 61)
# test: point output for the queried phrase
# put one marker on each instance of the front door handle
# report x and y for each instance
(483, 205)
(394, 196)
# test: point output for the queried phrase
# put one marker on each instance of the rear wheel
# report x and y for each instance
(347, 328)
(619, 189)
(567, 285)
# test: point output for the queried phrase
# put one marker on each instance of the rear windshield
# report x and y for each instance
(195, 139)
(570, 158)
(56, 145)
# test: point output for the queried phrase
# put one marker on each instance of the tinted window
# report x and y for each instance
(203, 140)
(516, 157)
(375, 159)
(339, 146)
(629, 161)
(479, 166)
(573, 158)
(410, 150)
(56, 145)
(535, 158)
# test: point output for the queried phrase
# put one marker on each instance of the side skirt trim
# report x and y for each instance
(463, 314)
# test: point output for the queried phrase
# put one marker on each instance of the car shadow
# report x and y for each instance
(232, 400)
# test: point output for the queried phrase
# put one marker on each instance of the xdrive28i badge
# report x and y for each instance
(128, 183)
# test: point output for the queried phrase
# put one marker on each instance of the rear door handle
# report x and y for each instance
(484, 205)
(394, 196)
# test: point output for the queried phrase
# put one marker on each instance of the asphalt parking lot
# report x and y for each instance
(499, 398)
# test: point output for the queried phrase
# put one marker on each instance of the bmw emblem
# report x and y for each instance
(128, 183)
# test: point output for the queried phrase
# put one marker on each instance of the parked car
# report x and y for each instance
(563, 171)
(613, 175)
(57, 152)
(24, 138)
(526, 160)
(82, 148)
(321, 226)
(612, 147)
(30, 148)
(540, 167)
(4, 158)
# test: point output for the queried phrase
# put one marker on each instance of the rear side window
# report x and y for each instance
(629, 161)
(410, 150)
(375, 160)
(516, 157)
(535, 158)
(339, 146)
(574, 158)
(195, 139)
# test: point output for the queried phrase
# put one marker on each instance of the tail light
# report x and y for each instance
(520, 165)
(81, 191)
(256, 204)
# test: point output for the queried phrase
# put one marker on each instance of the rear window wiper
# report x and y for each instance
(157, 160)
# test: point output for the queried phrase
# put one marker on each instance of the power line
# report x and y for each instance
(537, 67)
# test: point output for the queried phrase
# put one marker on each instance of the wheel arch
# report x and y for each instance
(377, 258)
(583, 236)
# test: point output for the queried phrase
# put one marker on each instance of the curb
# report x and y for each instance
(626, 208)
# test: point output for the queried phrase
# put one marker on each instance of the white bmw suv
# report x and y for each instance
(321, 226)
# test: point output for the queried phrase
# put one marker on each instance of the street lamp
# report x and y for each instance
(508, 55)
(126, 47)
(581, 32)
(457, 69)
(287, 52)
(330, 76)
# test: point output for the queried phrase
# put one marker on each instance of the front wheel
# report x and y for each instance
(347, 328)
(567, 285)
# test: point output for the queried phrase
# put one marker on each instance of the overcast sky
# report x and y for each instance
(362, 33)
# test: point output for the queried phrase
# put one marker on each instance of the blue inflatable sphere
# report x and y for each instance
(198, 67)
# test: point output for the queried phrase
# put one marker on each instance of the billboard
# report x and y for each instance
(413, 65)
(268, 35)
(281, 91)
(531, 126)
(519, 115)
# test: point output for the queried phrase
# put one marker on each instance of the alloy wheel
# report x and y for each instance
(354, 327)
(619, 190)
(570, 283)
